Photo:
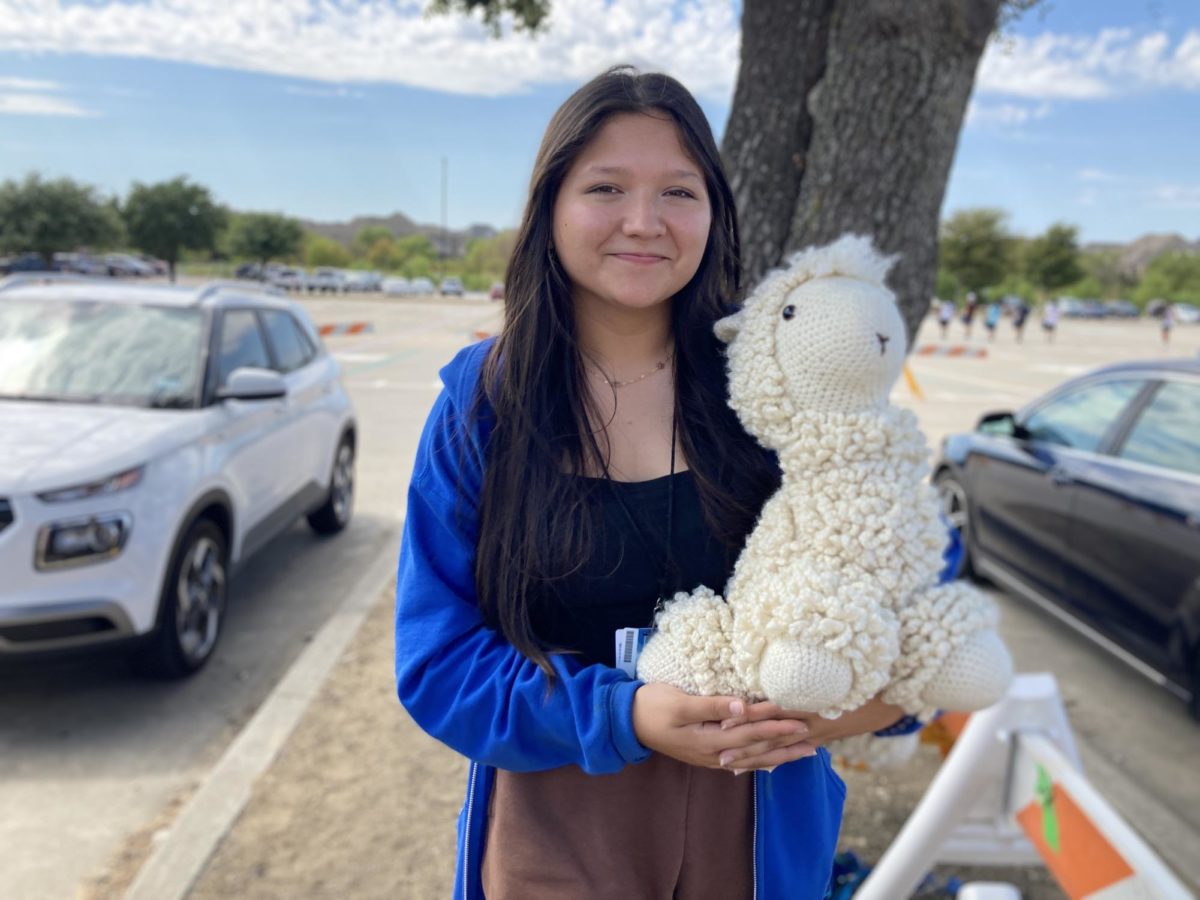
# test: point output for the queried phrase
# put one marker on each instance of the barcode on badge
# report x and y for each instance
(629, 644)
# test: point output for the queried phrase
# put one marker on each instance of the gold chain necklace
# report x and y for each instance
(658, 367)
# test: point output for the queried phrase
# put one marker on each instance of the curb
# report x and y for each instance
(179, 858)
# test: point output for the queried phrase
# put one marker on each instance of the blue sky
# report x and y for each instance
(1084, 112)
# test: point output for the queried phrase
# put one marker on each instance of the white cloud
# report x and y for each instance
(9, 83)
(332, 93)
(1004, 114)
(1177, 196)
(40, 105)
(1082, 67)
(389, 41)
(1098, 175)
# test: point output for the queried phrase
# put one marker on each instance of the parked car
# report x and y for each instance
(328, 280)
(24, 262)
(1087, 503)
(154, 438)
(1186, 314)
(80, 264)
(497, 291)
(396, 286)
(451, 287)
(126, 265)
(250, 271)
(1121, 309)
(360, 280)
(421, 286)
(289, 279)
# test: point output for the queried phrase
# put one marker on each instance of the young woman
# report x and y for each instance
(572, 472)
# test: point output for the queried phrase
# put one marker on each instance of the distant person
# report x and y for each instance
(1168, 322)
(946, 312)
(1050, 320)
(1019, 318)
(992, 319)
(968, 315)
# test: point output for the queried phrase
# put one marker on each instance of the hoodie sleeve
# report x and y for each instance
(461, 681)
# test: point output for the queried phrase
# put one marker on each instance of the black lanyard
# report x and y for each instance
(668, 563)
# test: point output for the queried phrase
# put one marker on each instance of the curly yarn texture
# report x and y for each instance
(835, 597)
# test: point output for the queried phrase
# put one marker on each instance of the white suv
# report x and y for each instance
(151, 438)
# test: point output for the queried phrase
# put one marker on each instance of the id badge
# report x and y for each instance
(629, 644)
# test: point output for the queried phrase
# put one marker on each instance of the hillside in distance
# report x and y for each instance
(453, 242)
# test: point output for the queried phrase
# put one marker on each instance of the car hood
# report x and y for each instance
(48, 446)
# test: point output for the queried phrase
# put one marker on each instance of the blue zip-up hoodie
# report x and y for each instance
(465, 685)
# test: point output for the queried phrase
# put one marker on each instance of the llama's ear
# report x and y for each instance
(726, 329)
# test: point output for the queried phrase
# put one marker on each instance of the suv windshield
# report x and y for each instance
(96, 352)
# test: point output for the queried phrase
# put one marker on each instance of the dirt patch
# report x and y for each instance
(362, 804)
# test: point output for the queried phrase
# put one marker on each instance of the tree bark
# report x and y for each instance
(765, 145)
(872, 138)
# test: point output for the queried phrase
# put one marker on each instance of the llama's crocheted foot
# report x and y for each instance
(798, 676)
(975, 675)
(691, 649)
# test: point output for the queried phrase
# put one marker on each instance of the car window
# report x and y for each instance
(241, 344)
(1167, 433)
(1081, 418)
(291, 349)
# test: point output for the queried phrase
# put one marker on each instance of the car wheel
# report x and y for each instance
(192, 606)
(955, 508)
(334, 514)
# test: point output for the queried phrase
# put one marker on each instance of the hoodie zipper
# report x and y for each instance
(467, 832)
(754, 842)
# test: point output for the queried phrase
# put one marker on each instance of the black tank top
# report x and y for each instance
(618, 586)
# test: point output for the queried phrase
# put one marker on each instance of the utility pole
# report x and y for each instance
(445, 248)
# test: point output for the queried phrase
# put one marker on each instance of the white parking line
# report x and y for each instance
(179, 858)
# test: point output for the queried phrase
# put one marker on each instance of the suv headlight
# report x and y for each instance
(77, 542)
(111, 485)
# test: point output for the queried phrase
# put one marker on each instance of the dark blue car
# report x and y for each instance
(1087, 503)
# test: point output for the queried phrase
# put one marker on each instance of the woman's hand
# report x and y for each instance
(874, 715)
(690, 729)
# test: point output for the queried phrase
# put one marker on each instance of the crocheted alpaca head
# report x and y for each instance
(822, 335)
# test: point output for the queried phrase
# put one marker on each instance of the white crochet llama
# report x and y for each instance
(835, 596)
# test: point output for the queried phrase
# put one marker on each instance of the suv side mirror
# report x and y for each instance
(253, 384)
(1001, 424)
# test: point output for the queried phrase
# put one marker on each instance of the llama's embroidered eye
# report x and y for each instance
(789, 312)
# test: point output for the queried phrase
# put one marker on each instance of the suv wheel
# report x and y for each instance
(334, 514)
(955, 508)
(191, 609)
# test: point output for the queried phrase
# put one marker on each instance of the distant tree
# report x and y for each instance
(51, 216)
(489, 256)
(368, 236)
(413, 246)
(1052, 260)
(265, 236)
(1171, 276)
(975, 248)
(166, 218)
(323, 251)
(1102, 268)
(382, 254)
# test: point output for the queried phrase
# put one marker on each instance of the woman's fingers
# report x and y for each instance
(758, 712)
(769, 759)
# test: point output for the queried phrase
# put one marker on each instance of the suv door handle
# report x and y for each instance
(1059, 475)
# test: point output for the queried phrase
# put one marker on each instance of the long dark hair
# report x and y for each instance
(535, 524)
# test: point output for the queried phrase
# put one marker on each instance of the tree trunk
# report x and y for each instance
(872, 138)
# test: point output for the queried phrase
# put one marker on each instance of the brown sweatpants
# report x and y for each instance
(661, 830)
